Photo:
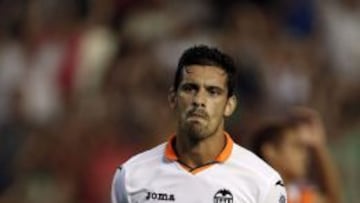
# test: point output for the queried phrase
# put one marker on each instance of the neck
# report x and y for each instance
(195, 153)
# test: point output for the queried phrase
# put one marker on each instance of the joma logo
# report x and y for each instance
(160, 196)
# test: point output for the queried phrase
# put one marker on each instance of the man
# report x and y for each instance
(288, 146)
(200, 163)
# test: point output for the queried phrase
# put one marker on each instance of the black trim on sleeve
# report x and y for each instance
(280, 183)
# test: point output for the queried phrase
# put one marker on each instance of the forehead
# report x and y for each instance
(208, 75)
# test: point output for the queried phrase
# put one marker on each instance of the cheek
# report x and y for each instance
(182, 103)
(288, 155)
(217, 108)
(180, 111)
(295, 157)
(216, 116)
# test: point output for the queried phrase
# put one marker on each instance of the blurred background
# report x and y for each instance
(84, 83)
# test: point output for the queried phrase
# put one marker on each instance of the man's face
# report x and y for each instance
(201, 101)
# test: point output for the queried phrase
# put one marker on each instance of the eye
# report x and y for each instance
(213, 91)
(188, 87)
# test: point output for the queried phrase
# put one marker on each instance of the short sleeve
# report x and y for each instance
(118, 189)
(276, 193)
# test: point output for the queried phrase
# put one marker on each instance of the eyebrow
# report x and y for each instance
(215, 87)
(193, 84)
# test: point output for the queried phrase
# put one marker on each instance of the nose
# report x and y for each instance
(199, 99)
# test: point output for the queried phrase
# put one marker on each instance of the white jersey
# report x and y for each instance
(236, 176)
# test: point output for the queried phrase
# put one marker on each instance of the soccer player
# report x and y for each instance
(289, 146)
(200, 163)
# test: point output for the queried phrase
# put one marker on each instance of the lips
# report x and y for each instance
(198, 113)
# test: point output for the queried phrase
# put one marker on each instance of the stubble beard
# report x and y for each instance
(196, 131)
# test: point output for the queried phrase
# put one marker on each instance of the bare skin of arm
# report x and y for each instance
(330, 190)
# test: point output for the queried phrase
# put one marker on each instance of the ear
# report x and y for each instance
(230, 106)
(172, 98)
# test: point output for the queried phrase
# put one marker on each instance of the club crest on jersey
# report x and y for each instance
(223, 196)
(160, 196)
(282, 199)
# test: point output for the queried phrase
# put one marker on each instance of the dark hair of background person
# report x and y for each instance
(272, 133)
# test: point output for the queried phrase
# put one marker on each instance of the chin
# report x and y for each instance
(197, 132)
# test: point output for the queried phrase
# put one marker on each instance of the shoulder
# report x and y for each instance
(140, 168)
(259, 175)
(260, 169)
(144, 158)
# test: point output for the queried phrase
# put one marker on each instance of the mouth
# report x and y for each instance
(197, 114)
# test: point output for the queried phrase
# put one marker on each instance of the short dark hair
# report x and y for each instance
(211, 56)
(272, 133)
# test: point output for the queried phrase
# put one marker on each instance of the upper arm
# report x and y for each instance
(118, 189)
(276, 193)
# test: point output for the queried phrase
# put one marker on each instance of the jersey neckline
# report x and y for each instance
(171, 155)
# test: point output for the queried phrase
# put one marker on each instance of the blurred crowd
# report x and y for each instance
(83, 84)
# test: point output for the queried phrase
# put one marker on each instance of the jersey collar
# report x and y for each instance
(171, 155)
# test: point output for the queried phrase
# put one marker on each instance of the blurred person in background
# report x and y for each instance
(183, 169)
(297, 149)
